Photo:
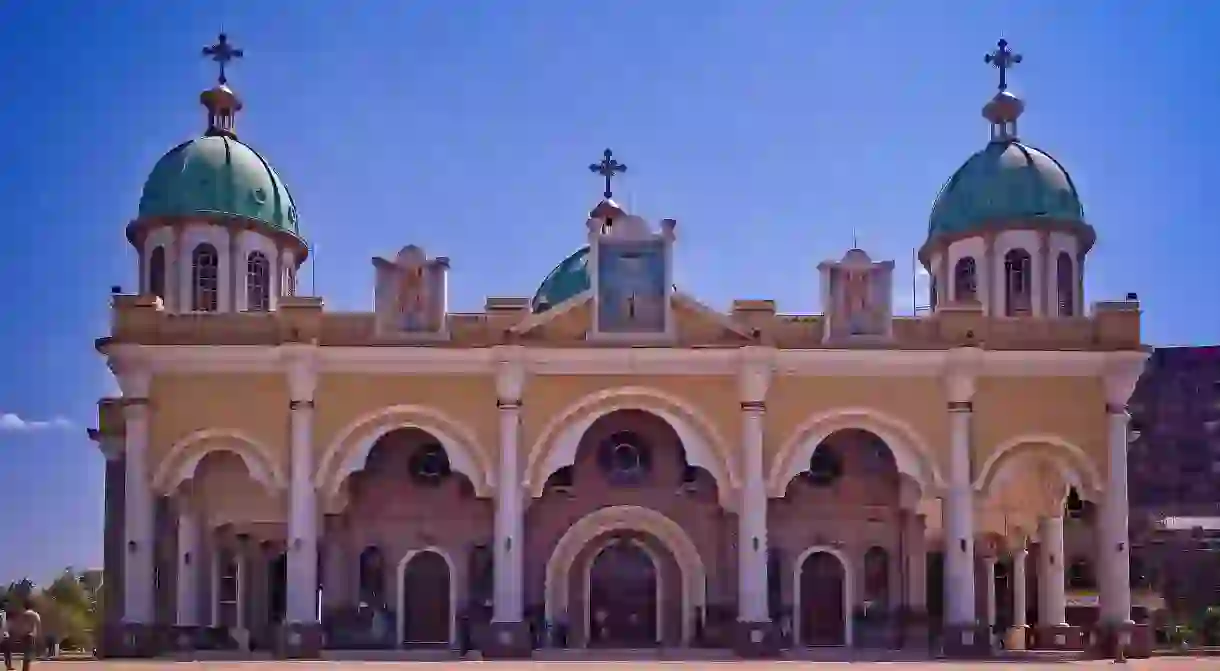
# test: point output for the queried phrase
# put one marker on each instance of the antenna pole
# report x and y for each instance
(313, 273)
(914, 289)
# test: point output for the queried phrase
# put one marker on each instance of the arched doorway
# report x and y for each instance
(823, 599)
(425, 600)
(623, 602)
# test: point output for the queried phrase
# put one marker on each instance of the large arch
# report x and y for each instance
(635, 518)
(350, 448)
(556, 445)
(911, 453)
(1072, 462)
(180, 463)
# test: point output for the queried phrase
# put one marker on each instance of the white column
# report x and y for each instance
(1114, 552)
(1019, 582)
(752, 520)
(243, 586)
(508, 603)
(1052, 606)
(138, 513)
(989, 595)
(214, 563)
(302, 596)
(190, 558)
(959, 520)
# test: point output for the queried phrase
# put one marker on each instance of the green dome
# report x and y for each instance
(568, 279)
(1006, 180)
(216, 174)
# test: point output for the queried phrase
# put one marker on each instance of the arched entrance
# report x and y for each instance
(425, 599)
(822, 598)
(624, 582)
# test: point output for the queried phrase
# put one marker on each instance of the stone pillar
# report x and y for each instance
(756, 634)
(138, 635)
(508, 635)
(989, 595)
(1016, 635)
(214, 579)
(1052, 604)
(964, 635)
(302, 631)
(189, 560)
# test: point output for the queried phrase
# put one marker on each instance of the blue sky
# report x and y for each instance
(775, 132)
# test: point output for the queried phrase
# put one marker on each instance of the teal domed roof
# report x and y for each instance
(569, 278)
(1006, 180)
(217, 174)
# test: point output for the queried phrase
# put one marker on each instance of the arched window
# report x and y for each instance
(965, 282)
(258, 282)
(1018, 277)
(1065, 280)
(372, 576)
(205, 279)
(877, 577)
(156, 272)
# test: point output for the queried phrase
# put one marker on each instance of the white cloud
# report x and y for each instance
(13, 422)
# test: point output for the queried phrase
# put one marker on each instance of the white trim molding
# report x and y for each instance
(558, 441)
(848, 592)
(350, 448)
(181, 461)
(912, 454)
(400, 619)
(1072, 462)
(626, 518)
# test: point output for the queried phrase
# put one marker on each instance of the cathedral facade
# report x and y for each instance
(608, 462)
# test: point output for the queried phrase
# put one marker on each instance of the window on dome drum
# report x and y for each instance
(205, 279)
(964, 279)
(258, 282)
(156, 272)
(1018, 276)
(1065, 281)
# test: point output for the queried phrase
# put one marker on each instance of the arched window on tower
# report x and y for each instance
(205, 279)
(1065, 281)
(1018, 276)
(258, 282)
(156, 272)
(965, 280)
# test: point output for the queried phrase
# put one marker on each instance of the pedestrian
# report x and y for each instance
(24, 630)
(4, 640)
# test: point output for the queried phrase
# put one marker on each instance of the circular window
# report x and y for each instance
(624, 457)
(429, 464)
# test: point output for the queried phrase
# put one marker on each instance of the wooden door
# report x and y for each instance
(623, 597)
(822, 614)
(425, 600)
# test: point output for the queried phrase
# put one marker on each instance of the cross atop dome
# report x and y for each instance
(1003, 60)
(1004, 108)
(608, 167)
(220, 100)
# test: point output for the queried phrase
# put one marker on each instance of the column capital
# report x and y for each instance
(111, 445)
(134, 377)
(1122, 372)
(302, 368)
(754, 377)
(510, 373)
(962, 366)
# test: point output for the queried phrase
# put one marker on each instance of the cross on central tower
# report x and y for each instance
(222, 52)
(608, 168)
(1003, 59)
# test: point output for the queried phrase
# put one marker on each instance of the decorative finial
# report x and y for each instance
(222, 52)
(221, 102)
(608, 168)
(1002, 59)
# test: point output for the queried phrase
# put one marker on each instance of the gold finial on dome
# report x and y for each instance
(1004, 108)
(220, 100)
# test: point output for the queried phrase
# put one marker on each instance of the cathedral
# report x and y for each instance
(604, 460)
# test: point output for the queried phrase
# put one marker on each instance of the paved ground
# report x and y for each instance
(1161, 664)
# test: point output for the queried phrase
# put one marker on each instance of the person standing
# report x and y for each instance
(23, 633)
(4, 640)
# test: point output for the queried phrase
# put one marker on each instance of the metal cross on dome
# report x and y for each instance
(1004, 59)
(608, 168)
(222, 52)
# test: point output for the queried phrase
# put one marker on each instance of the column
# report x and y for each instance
(1019, 584)
(138, 603)
(508, 557)
(1114, 553)
(508, 600)
(989, 595)
(1052, 606)
(214, 578)
(752, 597)
(189, 556)
(959, 521)
(302, 550)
